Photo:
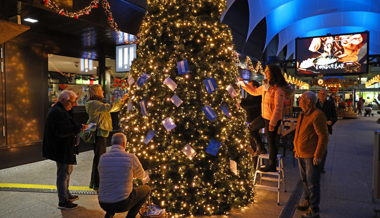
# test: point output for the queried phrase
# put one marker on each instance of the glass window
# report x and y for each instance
(68, 73)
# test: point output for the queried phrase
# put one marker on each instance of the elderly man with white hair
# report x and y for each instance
(59, 144)
(117, 168)
(310, 144)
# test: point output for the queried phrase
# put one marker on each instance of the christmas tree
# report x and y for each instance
(183, 119)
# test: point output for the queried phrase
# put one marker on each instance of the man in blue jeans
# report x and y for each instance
(117, 168)
(59, 144)
(310, 144)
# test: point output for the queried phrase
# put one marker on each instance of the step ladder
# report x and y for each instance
(277, 176)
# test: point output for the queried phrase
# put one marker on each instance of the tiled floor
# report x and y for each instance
(346, 186)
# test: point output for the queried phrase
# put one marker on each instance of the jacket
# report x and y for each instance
(311, 137)
(329, 110)
(251, 104)
(59, 140)
(97, 110)
(117, 168)
(272, 103)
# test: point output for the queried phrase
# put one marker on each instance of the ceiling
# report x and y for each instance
(255, 23)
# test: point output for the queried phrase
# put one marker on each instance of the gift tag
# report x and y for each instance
(231, 90)
(189, 151)
(176, 100)
(209, 113)
(142, 79)
(149, 136)
(168, 124)
(182, 67)
(210, 85)
(170, 83)
(225, 110)
(131, 80)
(143, 108)
(213, 147)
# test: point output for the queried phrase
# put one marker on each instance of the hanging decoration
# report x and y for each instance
(295, 81)
(247, 65)
(86, 11)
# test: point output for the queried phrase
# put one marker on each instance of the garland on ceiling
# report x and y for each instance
(86, 11)
(372, 81)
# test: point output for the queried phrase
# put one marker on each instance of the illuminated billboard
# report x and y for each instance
(345, 54)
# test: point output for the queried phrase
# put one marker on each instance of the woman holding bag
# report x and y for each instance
(273, 90)
(99, 112)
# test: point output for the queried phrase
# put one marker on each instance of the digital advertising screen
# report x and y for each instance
(345, 54)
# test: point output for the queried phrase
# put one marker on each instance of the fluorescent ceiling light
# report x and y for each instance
(30, 20)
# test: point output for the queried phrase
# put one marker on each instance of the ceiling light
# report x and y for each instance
(30, 20)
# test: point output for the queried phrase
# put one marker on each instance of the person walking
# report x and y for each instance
(252, 105)
(59, 144)
(310, 144)
(99, 112)
(329, 110)
(360, 105)
(274, 89)
(117, 168)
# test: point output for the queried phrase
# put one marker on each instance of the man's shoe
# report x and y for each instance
(258, 152)
(310, 214)
(91, 185)
(67, 205)
(72, 198)
(303, 206)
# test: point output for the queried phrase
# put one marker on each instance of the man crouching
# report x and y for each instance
(117, 168)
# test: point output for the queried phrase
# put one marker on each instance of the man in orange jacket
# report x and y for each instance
(310, 144)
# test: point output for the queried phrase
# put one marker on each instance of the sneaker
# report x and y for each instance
(67, 205)
(72, 198)
(310, 214)
(303, 206)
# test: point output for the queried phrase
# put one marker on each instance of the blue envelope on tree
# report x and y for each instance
(209, 113)
(144, 110)
(213, 147)
(183, 67)
(142, 79)
(210, 85)
(130, 106)
(225, 110)
(149, 136)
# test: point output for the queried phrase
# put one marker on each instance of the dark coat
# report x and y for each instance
(329, 110)
(251, 104)
(59, 141)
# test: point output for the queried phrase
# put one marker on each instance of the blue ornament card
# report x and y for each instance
(213, 147)
(143, 107)
(170, 83)
(183, 67)
(142, 79)
(149, 136)
(225, 110)
(210, 85)
(209, 113)
(130, 106)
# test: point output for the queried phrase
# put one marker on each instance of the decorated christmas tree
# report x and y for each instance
(183, 119)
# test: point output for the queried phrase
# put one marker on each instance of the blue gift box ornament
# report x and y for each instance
(142, 79)
(225, 110)
(210, 85)
(143, 107)
(213, 147)
(151, 133)
(154, 210)
(130, 106)
(209, 113)
(182, 67)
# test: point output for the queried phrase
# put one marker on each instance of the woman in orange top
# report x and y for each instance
(273, 90)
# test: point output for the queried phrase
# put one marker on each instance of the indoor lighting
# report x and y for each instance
(30, 20)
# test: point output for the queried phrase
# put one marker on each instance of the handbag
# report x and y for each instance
(89, 134)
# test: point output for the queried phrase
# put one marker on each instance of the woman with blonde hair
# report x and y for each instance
(99, 112)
